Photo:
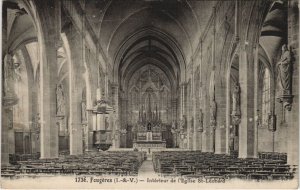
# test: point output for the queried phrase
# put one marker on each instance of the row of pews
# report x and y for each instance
(14, 158)
(122, 163)
(196, 164)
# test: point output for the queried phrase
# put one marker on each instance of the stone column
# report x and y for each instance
(220, 140)
(207, 130)
(90, 118)
(90, 131)
(195, 134)
(220, 133)
(246, 79)
(48, 81)
(76, 82)
(116, 118)
(76, 133)
(174, 108)
(35, 119)
(6, 124)
(256, 106)
(228, 119)
(197, 140)
(206, 140)
(190, 137)
(182, 100)
(6, 117)
(76, 129)
(292, 117)
(198, 129)
(123, 121)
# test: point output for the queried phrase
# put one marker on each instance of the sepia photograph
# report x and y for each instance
(150, 94)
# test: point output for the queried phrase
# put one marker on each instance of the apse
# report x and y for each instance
(148, 68)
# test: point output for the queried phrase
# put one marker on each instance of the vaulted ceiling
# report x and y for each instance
(164, 33)
(274, 30)
(132, 34)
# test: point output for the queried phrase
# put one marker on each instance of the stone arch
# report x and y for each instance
(157, 34)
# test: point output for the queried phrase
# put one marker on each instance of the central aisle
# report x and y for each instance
(147, 169)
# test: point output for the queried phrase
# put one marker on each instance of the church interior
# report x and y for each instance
(189, 88)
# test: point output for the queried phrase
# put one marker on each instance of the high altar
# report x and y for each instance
(148, 130)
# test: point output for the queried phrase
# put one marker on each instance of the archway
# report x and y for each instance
(21, 80)
(273, 35)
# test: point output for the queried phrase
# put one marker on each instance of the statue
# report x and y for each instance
(236, 100)
(285, 70)
(60, 100)
(9, 96)
(285, 77)
(17, 72)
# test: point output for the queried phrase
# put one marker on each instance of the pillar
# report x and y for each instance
(220, 132)
(256, 106)
(194, 137)
(197, 135)
(116, 118)
(183, 102)
(6, 123)
(220, 144)
(90, 132)
(7, 110)
(48, 80)
(76, 130)
(246, 80)
(228, 120)
(194, 126)
(76, 81)
(207, 130)
(197, 140)
(292, 117)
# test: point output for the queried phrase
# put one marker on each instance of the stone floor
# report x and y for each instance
(146, 169)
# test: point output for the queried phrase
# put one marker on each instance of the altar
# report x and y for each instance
(148, 131)
(149, 140)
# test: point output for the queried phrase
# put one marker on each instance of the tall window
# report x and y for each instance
(266, 97)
